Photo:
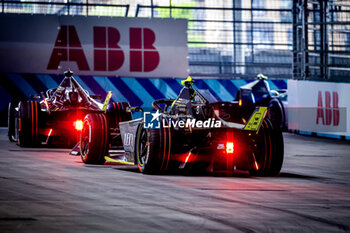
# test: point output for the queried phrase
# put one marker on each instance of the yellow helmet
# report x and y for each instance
(187, 81)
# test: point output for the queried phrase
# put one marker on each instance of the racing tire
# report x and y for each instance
(268, 151)
(276, 113)
(153, 149)
(28, 124)
(11, 122)
(94, 139)
(118, 112)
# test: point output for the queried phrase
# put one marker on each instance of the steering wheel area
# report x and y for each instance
(166, 103)
(199, 111)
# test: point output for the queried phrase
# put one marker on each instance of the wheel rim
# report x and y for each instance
(85, 139)
(143, 148)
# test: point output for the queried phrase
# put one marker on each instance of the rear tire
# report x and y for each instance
(94, 139)
(275, 113)
(153, 149)
(118, 112)
(28, 124)
(268, 151)
(11, 122)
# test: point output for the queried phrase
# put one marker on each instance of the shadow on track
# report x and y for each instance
(237, 173)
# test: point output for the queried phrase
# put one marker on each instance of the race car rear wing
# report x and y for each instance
(70, 91)
(253, 123)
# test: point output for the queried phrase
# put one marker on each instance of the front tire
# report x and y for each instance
(268, 151)
(94, 139)
(153, 149)
(28, 124)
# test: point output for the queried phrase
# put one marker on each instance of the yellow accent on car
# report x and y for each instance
(188, 80)
(109, 159)
(59, 89)
(256, 119)
(108, 97)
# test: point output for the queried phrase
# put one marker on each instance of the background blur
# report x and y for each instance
(236, 39)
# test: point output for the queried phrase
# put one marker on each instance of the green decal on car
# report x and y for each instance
(109, 159)
(105, 104)
(256, 119)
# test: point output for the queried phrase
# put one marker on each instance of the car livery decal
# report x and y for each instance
(256, 119)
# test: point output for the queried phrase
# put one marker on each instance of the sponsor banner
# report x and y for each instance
(327, 119)
(319, 107)
(98, 46)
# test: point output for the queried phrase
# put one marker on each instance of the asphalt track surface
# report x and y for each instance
(46, 190)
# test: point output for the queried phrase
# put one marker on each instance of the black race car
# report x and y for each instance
(55, 117)
(258, 93)
(188, 133)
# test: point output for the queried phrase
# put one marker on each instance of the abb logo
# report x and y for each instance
(326, 112)
(143, 55)
(67, 48)
(107, 50)
(108, 55)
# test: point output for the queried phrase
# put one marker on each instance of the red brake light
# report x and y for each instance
(78, 125)
(19, 124)
(230, 148)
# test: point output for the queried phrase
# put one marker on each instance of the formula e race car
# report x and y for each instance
(55, 117)
(258, 93)
(189, 133)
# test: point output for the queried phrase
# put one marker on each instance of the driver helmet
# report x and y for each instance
(188, 81)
